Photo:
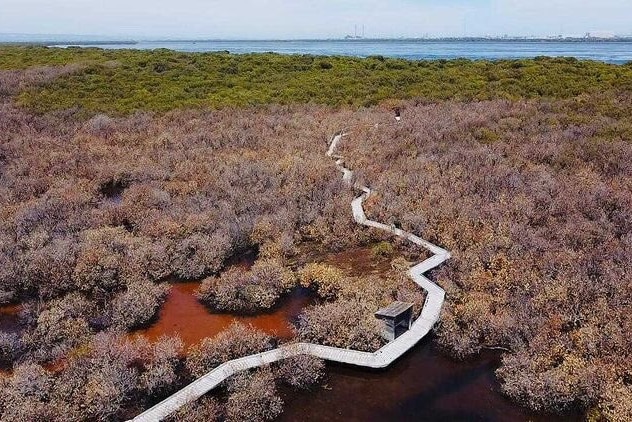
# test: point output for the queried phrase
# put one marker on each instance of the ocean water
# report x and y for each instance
(618, 52)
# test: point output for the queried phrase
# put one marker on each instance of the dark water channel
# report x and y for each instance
(113, 192)
(424, 385)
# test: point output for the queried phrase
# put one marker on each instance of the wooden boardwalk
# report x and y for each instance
(379, 359)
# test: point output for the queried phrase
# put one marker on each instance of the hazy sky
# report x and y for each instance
(313, 18)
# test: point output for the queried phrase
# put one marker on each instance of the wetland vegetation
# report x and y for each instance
(124, 171)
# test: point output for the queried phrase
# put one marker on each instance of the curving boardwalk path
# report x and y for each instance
(379, 359)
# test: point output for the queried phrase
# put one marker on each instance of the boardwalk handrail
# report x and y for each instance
(379, 359)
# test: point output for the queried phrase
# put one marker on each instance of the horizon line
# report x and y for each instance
(349, 37)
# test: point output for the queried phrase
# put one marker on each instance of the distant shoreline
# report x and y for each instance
(68, 43)
(452, 39)
(71, 42)
(616, 51)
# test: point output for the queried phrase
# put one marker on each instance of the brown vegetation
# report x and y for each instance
(98, 381)
(240, 290)
(347, 317)
(343, 323)
(14, 81)
(538, 220)
(206, 408)
(532, 197)
(302, 371)
(237, 341)
(195, 188)
(91, 229)
(253, 397)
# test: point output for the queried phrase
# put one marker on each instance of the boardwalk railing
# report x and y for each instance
(379, 359)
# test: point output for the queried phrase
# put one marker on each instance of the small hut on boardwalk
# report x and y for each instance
(396, 315)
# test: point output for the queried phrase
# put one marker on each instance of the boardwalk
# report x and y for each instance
(379, 359)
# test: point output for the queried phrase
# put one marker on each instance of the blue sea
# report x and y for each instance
(618, 52)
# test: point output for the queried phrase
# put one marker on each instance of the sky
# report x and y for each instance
(291, 19)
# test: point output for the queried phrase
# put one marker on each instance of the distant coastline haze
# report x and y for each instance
(303, 19)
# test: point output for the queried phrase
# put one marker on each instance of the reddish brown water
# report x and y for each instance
(9, 318)
(184, 315)
(422, 386)
(359, 261)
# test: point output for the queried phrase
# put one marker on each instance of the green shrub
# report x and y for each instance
(325, 65)
(217, 80)
(487, 136)
(383, 249)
